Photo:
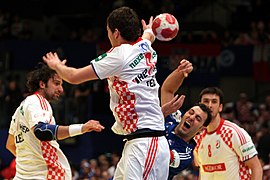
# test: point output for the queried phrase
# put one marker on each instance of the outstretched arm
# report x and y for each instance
(48, 132)
(69, 74)
(174, 81)
(147, 30)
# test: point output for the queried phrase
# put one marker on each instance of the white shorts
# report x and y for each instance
(144, 159)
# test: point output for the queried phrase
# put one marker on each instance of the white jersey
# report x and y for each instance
(221, 154)
(130, 70)
(36, 159)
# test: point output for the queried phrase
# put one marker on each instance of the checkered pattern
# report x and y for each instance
(244, 172)
(55, 170)
(226, 135)
(198, 139)
(126, 106)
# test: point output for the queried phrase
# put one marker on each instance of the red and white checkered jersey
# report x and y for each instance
(130, 70)
(36, 159)
(221, 154)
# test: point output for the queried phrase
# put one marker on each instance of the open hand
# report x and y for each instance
(53, 60)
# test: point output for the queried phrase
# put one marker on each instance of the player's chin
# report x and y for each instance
(55, 98)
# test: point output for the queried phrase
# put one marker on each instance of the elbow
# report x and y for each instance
(11, 149)
(8, 147)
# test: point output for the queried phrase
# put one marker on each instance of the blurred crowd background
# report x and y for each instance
(228, 41)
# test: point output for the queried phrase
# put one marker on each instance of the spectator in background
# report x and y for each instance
(115, 157)
(267, 102)
(79, 103)
(3, 117)
(244, 109)
(263, 146)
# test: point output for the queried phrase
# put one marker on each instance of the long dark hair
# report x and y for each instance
(42, 72)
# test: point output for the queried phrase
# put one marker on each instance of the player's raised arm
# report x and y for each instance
(174, 81)
(69, 74)
(147, 30)
(48, 132)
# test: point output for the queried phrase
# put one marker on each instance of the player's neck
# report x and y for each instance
(214, 124)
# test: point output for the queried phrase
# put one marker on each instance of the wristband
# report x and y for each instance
(149, 30)
(75, 129)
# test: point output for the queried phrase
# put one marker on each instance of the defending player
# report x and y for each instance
(33, 131)
(180, 131)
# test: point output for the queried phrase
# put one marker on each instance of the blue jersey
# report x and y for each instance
(184, 149)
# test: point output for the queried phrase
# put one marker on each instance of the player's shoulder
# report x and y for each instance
(34, 99)
(31, 98)
(234, 128)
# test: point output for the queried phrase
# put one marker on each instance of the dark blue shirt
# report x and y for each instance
(184, 149)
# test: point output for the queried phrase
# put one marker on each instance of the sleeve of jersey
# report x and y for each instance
(243, 145)
(14, 119)
(110, 64)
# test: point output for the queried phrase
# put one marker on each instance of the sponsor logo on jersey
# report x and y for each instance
(214, 167)
(248, 149)
(139, 78)
(24, 128)
(136, 61)
(21, 110)
(149, 57)
(217, 144)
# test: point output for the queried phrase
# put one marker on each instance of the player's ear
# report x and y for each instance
(42, 85)
(116, 33)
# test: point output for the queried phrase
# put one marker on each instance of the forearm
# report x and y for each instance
(63, 132)
(76, 75)
(67, 73)
(171, 85)
(49, 132)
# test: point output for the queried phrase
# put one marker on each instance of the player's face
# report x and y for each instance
(54, 88)
(213, 102)
(191, 123)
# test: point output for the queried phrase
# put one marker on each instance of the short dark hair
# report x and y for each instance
(204, 108)
(42, 72)
(126, 21)
(212, 90)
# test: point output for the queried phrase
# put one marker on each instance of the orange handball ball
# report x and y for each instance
(165, 27)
